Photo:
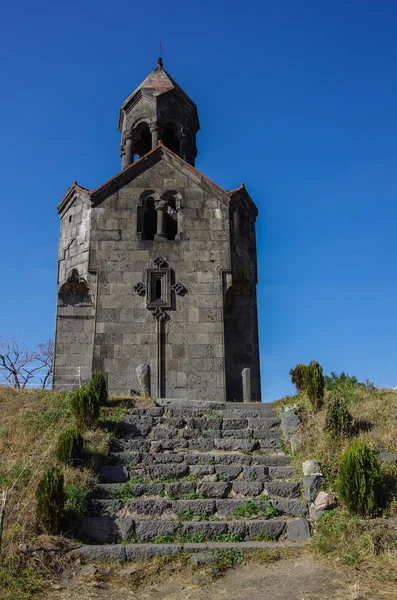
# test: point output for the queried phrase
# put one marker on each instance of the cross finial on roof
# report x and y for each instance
(160, 58)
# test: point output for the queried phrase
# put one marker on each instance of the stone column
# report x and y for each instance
(129, 150)
(154, 130)
(179, 235)
(161, 206)
(122, 154)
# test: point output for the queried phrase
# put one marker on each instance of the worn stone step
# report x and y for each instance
(203, 489)
(203, 509)
(142, 552)
(109, 530)
(160, 472)
(229, 444)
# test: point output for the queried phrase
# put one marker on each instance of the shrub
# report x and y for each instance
(299, 377)
(315, 385)
(85, 408)
(338, 420)
(70, 446)
(99, 388)
(359, 481)
(50, 496)
(334, 381)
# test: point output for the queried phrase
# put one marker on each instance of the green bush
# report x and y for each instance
(70, 446)
(315, 385)
(299, 377)
(85, 408)
(99, 388)
(50, 496)
(338, 420)
(359, 482)
(76, 499)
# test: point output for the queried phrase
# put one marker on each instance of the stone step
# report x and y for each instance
(141, 425)
(136, 458)
(205, 489)
(227, 444)
(108, 529)
(142, 552)
(163, 471)
(200, 509)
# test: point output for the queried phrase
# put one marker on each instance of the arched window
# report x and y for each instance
(149, 220)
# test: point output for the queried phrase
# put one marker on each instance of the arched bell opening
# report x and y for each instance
(143, 139)
(170, 137)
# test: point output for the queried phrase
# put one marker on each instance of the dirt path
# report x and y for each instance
(299, 578)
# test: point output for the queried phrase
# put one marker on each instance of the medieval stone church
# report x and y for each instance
(157, 267)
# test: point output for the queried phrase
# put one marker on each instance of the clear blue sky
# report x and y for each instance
(296, 99)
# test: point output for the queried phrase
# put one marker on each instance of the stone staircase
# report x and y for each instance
(189, 476)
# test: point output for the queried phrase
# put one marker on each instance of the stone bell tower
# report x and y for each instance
(157, 267)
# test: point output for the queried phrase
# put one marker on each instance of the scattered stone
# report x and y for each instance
(290, 422)
(202, 558)
(387, 456)
(311, 486)
(311, 468)
(324, 501)
(88, 570)
(314, 514)
(127, 573)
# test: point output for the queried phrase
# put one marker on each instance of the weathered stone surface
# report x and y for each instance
(196, 507)
(165, 471)
(237, 423)
(207, 529)
(290, 422)
(147, 531)
(202, 558)
(324, 501)
(201, 445)
(214, 490)
(311, 486)
(228, 472)
(114, 474)
(201, 470)
(298, 531)
(311, 468)
(199, 459)
(148, 507)
(233, 459)
(270, 530)
(179, 489)
(163, 458)
(146, 489)
(103, 553)
(140, 552)
(236, 444)
(247, 488)
(281, 472)
(143, 377)
(96, 506)
(256, 473)
(282, 488)
(242, 434)
(294, 508)
(271, 460)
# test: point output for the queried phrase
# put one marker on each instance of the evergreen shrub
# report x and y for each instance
(359, 482)
(299, 377)
(85, 408)
(338, 420)
(315, 385)
(50, 496)
(70, 446)
(99, 388)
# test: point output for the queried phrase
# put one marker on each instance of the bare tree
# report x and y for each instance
(45, 356)
(19, 364)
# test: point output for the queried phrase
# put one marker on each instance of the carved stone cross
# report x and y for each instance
(159, 291)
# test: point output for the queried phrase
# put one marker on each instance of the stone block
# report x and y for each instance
(102, 553)
(247, 488)
(148, 507)
(233, 444)
(256, 473)
(148, 530)
(201, 470)
(169, 470)
(228, 472)
(293, 508)
(298, 531)
(265, 530)
(311, 486)
(214, 489)
(281, 472)
(196, 507)
(282, 488)
(179, 489)
(114, 474)
(141, 552)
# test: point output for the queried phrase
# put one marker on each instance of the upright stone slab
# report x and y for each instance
(157, 266)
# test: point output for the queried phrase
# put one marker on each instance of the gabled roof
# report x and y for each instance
(145, 162)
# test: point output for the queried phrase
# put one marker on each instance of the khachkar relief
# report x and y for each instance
(75, 291)
(160, 289)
